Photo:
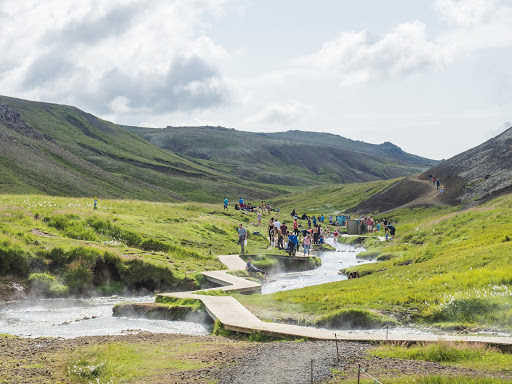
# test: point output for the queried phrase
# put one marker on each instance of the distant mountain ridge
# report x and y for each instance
(289, 158)
(60, 150)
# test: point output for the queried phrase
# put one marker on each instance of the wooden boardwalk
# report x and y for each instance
(235, 317)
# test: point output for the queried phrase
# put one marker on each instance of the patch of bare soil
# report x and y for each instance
(41, 360)
(38, 232)
(12, 288)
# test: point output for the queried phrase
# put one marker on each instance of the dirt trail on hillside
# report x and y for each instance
(430, 197)
(408, 193)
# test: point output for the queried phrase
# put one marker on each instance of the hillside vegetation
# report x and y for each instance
(293, 158)
(61, 150)
(63, 245)
(446, 267)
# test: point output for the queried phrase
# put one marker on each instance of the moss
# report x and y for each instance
(368, 254)
(389, 255)
(46, 284)
(161, 311)
(355, 318)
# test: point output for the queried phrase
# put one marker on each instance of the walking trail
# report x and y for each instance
(235, 317)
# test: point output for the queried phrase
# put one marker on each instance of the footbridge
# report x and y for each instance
(235, 317)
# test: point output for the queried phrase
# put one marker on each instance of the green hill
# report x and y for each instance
(292, 158)
(61, 150)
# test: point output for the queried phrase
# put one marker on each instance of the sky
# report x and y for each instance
(431, 76)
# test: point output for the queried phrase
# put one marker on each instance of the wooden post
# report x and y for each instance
(358, 373)
(387, 331)
(337, 350)
(311, 371)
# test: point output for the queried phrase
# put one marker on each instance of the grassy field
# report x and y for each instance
(331, 199)
(446, 267)
(64, 244)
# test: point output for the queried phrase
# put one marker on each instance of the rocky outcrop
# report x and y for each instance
(11, 119)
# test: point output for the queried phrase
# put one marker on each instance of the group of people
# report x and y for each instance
(288, 238)
(278, 233)
(437, 183)
(368, 225)
(242, 206)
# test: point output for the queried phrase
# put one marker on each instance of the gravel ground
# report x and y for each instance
(290, 362)
(40, 361)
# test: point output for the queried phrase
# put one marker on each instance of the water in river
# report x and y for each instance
(83, 317)
(332, 261)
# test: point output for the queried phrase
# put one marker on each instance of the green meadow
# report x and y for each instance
(64, 246)
(446, 267)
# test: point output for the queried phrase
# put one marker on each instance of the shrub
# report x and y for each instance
(154, 245)
(46, 284)
(58, 258)
(465, 310)
(78, 276)
(86, 255)
(13, 259)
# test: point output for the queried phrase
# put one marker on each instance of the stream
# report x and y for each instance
(332, 261)
(70, 317)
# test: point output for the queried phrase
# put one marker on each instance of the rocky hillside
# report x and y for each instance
(294, 158)
(479, 174)
(470, 178)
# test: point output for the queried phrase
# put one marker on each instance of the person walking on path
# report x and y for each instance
(226, 203)
(277, 226)
(282, 233)
(307, 244)
(296, 227)
(438, 183)
(242, 237)
(251, 268)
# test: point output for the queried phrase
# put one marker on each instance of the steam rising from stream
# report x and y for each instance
(70, 318)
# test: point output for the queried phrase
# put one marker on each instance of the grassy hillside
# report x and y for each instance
(60, 150)
(330, 199)
(286, 158)
(445, 267)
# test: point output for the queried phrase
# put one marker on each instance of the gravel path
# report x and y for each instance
(290, 362)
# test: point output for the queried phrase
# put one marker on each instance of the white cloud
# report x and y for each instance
(359, 58)
(136, 54)
(280, 114)
(468, 12)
